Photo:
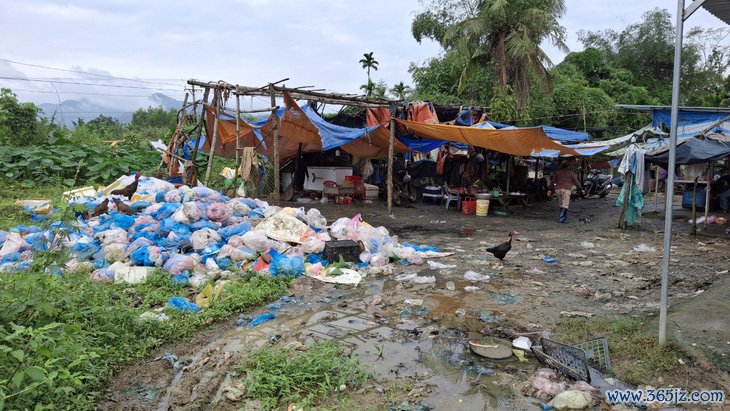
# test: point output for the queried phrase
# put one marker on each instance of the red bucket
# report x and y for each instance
(469, 206)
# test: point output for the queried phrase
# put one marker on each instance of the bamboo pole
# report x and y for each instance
(508, 168)
(707, 192)
(389, 183)
(277, 183)
(214, 140)
(176, 136)
(694, 207)
(656, 188)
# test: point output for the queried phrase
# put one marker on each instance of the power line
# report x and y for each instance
(85, 84)
(81, 92)
(85, 73)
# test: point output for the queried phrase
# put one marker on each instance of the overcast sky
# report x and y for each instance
(250, 42)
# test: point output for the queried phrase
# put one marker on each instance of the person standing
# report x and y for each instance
(562, 183)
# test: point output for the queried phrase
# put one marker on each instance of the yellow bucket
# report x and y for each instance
(482, 207)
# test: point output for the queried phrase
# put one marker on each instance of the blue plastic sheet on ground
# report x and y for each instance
(256, 213)
(261, 318)
(317, 258)
(180, 278)
(182, 304)
(165, 211)
(140, 205)
(421, 247)
(506, 298)
(549, 259)
(283, 265)
(238, 229)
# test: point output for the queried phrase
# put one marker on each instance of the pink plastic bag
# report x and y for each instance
(217, 212)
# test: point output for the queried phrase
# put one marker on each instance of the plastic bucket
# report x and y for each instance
(469, 207)
(482, 208)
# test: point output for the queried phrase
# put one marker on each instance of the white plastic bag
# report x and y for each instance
(117, 235)
(115, 252)
(203, 238)
(13, 243)
(315, 219)
(187, 213)
(313, 245)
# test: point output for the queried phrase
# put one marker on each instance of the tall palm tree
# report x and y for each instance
(368, 88)
(400, 90)
(368, 62)
(505, 36)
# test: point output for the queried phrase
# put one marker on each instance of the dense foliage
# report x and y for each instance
(631, 66)
(35, 151)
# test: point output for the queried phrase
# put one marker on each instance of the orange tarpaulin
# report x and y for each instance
(225, 145)
(294, 129)
(524, 142)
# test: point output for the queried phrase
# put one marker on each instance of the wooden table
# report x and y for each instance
(506, 199)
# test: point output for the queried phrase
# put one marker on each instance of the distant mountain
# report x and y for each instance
(86, 109)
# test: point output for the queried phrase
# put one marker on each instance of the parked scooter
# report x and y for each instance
(408, 182)
(597, 184)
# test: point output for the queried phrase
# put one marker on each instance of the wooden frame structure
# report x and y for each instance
(273, 90)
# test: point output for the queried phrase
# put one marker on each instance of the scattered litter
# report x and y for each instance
(535, 270)
(182, 304)
(177, 365)
(479, 370)
(522, 343)
(261, 318)
(424, 280)
(520, 355)
(549, 259)
(439, 266)
(492, 348)
(460, 312)
(489, 318)
(576, 314)
(506, 298)
(645, 248)
(471, 289)
(721, 272)
(153, 316)
(572, 399)
(474, 276)
(413, 301)
(587, 245)
(450, 286)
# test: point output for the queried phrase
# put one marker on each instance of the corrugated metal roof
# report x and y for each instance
(719, 9)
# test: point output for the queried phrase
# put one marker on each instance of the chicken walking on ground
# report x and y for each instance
(500, 251)
(123, 208)
(129, 190)
(102, 208)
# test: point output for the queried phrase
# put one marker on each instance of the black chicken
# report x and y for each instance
(129, 190)
(500, 251)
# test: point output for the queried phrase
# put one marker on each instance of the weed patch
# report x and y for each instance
(278, 377)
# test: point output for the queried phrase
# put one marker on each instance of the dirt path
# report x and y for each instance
(424, 342)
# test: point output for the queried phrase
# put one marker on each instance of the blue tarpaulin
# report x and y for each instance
(555, 133)
(690, 123)
(334, 135)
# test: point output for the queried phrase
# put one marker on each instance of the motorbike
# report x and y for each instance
(597, 184)
(409, 181)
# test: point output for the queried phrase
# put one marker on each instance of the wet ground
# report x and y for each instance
(416, 334)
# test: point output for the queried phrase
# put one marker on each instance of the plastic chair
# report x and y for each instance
(451, 195)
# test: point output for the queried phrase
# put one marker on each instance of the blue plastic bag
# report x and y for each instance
(169, 225)
(160, 197)
(224, 263)
(421, 248)
(23, 229)
(238, 229)
(140, 205)
(256, 213)
(204, 223)
(142, 257)
(317, 258)
(122, 221)
(283, 265)
(182, 304)
(165, 211)
(261, 318)
(181, 278)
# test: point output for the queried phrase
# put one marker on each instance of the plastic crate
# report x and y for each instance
(349, 250)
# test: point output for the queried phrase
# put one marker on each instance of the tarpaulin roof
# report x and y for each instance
(692, 151)
(690, 123)
(523, 142)
(555, 133)
(334, 135)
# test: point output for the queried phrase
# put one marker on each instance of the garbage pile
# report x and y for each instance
(197, 233)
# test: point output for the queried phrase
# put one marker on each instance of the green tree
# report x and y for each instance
(400, 91)
(368, 62)
(368, 88)
(505, 36)
(19, 123)
(154, 117)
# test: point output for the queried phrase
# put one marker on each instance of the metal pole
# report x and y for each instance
(277, 183)
(389, 183)
(670, 173)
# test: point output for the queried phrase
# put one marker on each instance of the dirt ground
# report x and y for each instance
(420, 349)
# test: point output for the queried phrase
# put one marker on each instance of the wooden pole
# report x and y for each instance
(238, 132)
(176, 136)
(694, 207)
(389, 183)
(214, 140)
(509, 161)
(707, 192)
(194, 177)
(656, 188)
(277, 183)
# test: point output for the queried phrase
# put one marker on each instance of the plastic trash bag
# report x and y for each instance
(345, 228)
(475, 277)
(283, 226)
(182, 304)
(116, 235)
(257, 241)
(239, 229)
(122, 221)
(237, 208)
(217, 212)
(187, 213)
(203, 238)
(315, 219)
(103, 274)
(13, 244)
(204, 223)
(283, 265)
(169, 225)
(313, 245)
(205, 193)
(165, 211)
(179, 263)
(173, 196)
(115, 252)
(145, 256)
(256, 213)
(261, 318)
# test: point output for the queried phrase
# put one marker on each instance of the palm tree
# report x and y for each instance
(368, 88)
(368, 62)
(400, 90)
(506, 36)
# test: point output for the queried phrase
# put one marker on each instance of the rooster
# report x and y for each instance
(129, 190)
(500, 251)
(123, 208)
(100, 209)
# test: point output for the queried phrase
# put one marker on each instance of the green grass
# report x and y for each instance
(636, 356)
(12, 214)
(277, 377)
(63, 337)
